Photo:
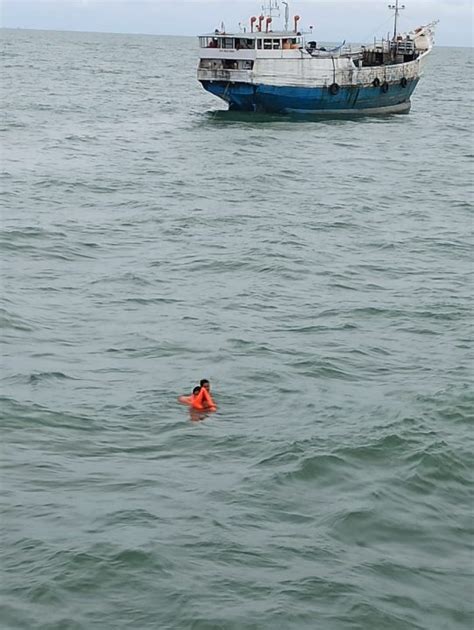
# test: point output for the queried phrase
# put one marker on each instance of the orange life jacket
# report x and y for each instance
(203, 401)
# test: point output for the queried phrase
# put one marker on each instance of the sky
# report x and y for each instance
(333, 20)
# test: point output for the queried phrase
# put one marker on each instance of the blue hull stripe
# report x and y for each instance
(268, 98)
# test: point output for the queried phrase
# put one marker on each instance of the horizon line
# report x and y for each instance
(138, 33)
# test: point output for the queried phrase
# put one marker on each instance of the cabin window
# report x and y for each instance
(289, 44)
(227, 43)
(272, 44)
(209, 42)
(259, 44)
(244, 44)
(225, 64)
(230, 65)
(210, 64)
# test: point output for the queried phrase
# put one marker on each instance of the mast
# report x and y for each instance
(397, 7)
(287, 14)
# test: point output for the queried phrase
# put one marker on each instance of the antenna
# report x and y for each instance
(271, 9)
(397, 7)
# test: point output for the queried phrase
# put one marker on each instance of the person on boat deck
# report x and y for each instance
(286, 44)
(213, 43)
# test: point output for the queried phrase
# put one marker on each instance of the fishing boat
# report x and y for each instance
(285, 71)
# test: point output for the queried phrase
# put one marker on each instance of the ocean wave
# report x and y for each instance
(12, 321)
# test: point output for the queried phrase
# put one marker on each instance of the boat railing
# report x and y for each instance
(403, 47)
(342, 50)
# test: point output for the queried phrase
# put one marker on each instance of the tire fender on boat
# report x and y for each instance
(334, 89)
(385, 87)
(376, 82)
(404, 82)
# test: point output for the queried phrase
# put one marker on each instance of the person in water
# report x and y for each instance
(188, 400)
(207, 386)
(200, 399)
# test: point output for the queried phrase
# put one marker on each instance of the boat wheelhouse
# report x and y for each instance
(287, 71)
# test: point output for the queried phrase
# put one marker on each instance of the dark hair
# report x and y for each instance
(203, 382)
(196, 390)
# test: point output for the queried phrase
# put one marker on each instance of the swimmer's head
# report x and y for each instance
(205, 383)
(196, 390)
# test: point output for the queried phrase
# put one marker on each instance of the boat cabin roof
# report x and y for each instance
(255, 35)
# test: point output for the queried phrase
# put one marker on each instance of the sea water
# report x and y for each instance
(318, 272)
